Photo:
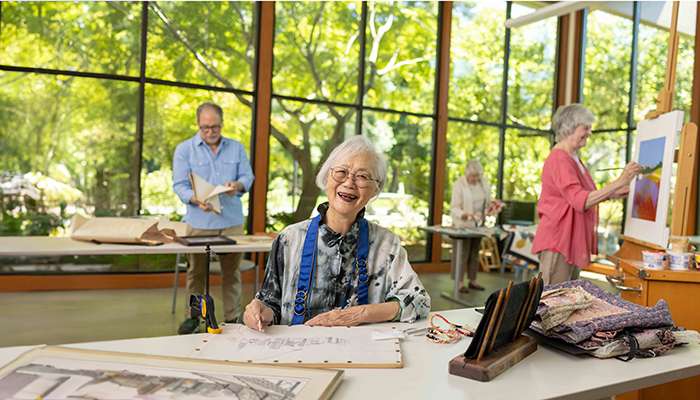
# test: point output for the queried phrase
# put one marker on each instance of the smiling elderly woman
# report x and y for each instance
(568, 207)
(338, 269)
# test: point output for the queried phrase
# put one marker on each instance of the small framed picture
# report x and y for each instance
(203, 240)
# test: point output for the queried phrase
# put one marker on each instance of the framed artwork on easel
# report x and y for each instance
(648, 202)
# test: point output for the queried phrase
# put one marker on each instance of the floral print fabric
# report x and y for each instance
(575, 311)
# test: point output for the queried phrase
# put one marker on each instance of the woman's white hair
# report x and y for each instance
(568, 118)
(351, 148)
(473, 167)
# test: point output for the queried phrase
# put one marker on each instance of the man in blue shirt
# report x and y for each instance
(219, 161)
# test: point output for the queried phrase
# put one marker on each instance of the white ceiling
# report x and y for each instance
(658, 14)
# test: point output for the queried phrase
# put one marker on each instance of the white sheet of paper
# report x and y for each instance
(299, 345)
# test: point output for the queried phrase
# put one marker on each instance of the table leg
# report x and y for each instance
(177, 271)
(457, 265)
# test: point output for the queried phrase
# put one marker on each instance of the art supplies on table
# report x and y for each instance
(680, 261)
(657, 260)
(498, 343)
(305, 346)
(679, 244)
(450, 334)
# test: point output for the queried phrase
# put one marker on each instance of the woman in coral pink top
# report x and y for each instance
(568, 207)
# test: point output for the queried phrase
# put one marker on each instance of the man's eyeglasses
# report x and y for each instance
(362, 179)
(213, 128)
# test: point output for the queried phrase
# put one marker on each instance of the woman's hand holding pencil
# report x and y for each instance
(257, 315)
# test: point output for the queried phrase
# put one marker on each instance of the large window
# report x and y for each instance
(480, 124)
(71, 80)
(318, 93)
(95, 97)
(609, 84)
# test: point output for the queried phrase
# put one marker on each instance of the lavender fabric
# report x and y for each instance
(609, 313)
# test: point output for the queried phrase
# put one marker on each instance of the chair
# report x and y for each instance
(215, 269)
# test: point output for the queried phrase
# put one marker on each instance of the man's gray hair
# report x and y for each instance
(353, 147)
(212, 106)
(473, 167)
(568, 118)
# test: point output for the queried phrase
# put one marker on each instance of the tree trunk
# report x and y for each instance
(307, 200)
(134, 181)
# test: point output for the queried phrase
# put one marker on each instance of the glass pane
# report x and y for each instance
(203, 42)
(531, 72)
(400, 55)
(317, 50)
(476, 60)
(71, 143)
(302, 134)
(524, 157)
(606, 81)
(606, 150)
(465, 142)
(682, 97)
(651, 69)
(171, 118)
(103, 37)
(404, 204)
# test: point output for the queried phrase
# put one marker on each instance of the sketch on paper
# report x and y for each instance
(646, 189)
(301, 345)
(59, 378)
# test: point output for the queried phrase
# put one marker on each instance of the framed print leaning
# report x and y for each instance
(62, 373)
(650, 192)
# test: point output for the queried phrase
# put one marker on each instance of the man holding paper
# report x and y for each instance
(218, 161)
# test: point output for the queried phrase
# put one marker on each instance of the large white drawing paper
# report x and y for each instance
(55, 373)
(650, 192)
(302, 345)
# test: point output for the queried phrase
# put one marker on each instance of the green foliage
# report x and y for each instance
(81, 132)
(531, 73)
(476, 74)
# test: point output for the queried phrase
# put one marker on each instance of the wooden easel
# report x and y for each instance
(492, 362)
(685, 195)
(646, 287)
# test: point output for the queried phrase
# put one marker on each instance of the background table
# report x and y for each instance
(35, 246)
(65, 246)
(459, 236)
(546, 374)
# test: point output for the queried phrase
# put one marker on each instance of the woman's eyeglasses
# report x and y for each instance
(362, 180)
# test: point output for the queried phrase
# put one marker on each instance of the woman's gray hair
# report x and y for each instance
(568, 118)
(350, 148)
(473, 167)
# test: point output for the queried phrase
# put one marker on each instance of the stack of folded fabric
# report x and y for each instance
(584, 315)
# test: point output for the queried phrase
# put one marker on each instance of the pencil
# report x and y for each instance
(260, 323)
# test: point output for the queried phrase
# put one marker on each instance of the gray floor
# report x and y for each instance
(60, 317)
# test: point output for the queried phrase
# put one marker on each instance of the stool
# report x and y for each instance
(214, 269)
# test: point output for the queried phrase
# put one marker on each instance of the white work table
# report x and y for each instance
(546, 374)
(65, 246)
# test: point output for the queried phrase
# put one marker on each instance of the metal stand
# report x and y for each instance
(458, 268)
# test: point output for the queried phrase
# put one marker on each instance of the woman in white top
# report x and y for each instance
(470, 199)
